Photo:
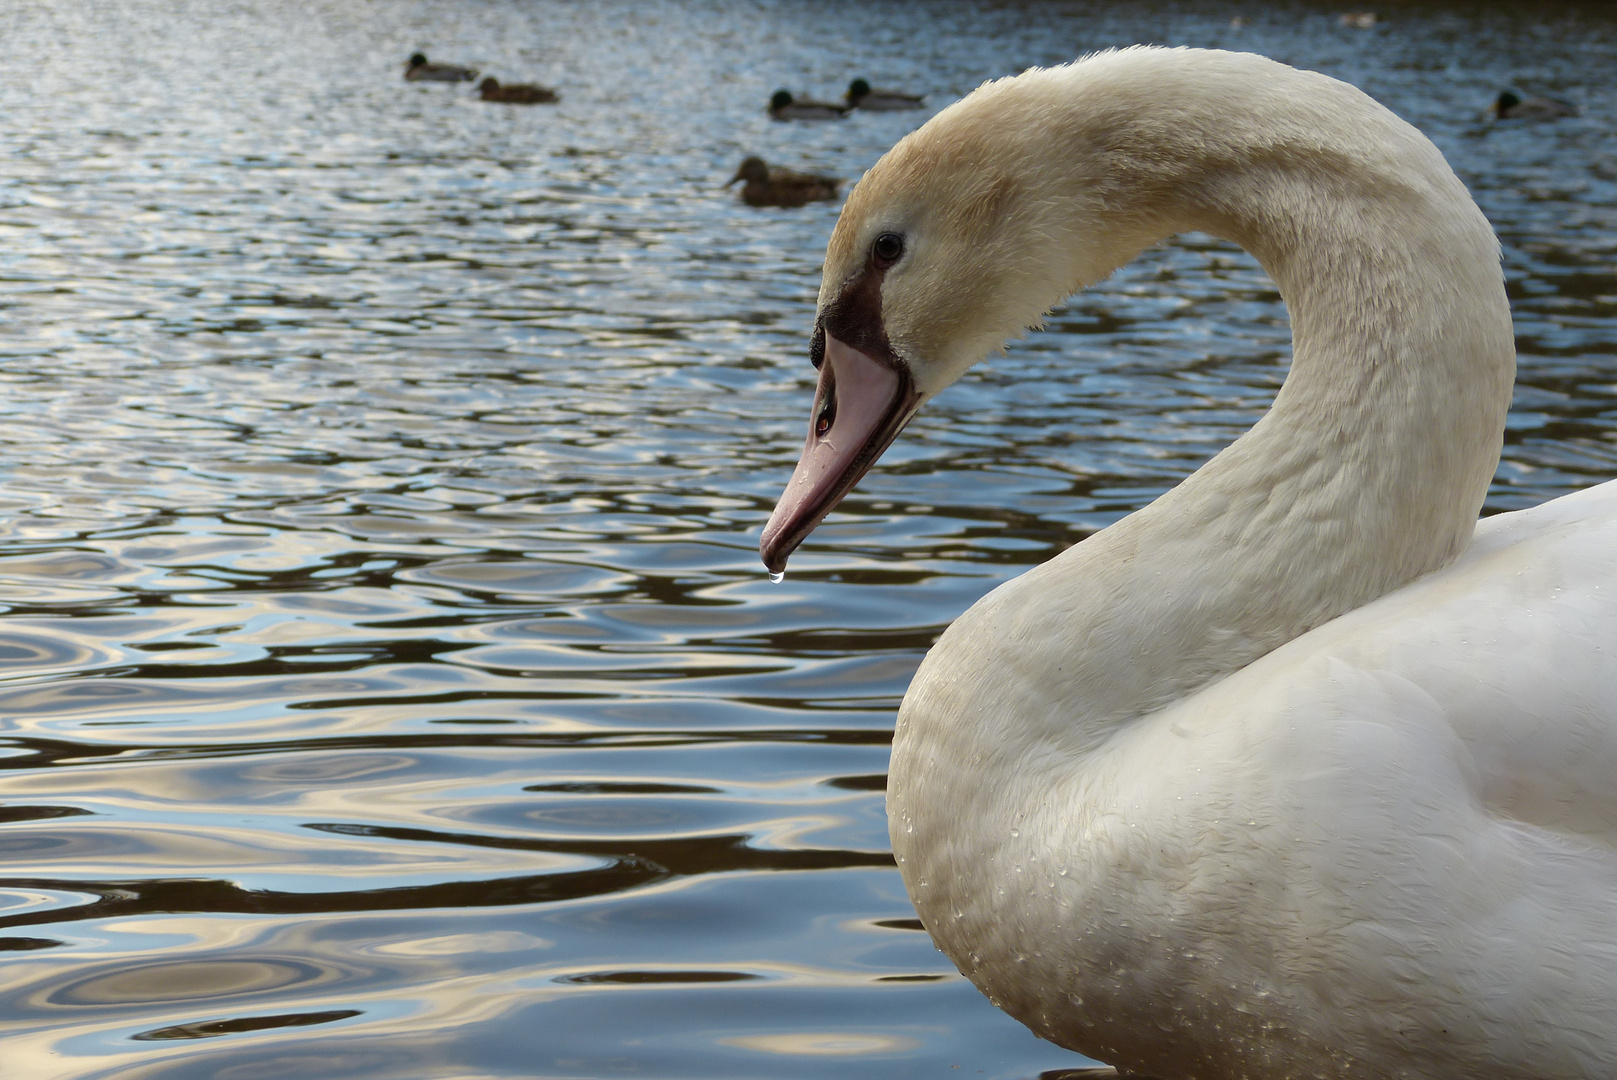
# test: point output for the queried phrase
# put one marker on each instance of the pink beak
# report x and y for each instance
(859, 409)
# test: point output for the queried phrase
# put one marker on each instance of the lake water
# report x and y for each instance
(389, 686)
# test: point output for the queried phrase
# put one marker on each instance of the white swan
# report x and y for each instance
(1287, 774)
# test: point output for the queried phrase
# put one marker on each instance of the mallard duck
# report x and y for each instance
(516, 93)
(416, 69)
(861, 96)
(785, 107)
(1511, 106)
(781, 187)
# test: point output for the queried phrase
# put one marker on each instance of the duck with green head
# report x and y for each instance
(417, 69)
(783, 106)
(862, 96)
(1512, 106)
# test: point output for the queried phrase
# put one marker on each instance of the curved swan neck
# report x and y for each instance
(1371, 466)
(1368, 471)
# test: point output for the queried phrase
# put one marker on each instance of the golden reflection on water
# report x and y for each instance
(149, 983)
(823, 1043)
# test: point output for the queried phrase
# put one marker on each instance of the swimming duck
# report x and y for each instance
(861, 96)
(781, 187)
(1511, 106)
(490, 89)
(416, 69)
(782, 106)
(1301, 771)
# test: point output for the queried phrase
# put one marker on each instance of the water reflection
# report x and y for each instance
(152, 983)
(823, 1043)
(388, 684)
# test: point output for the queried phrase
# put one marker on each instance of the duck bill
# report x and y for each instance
(860, 407)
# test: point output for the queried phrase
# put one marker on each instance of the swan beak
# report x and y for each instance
(859, 409)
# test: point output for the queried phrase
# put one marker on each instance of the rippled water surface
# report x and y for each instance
(388, 683)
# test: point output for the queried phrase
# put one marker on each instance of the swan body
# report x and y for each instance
(1351, 856)
(1299, 771)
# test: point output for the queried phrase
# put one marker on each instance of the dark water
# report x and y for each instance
(388, 683)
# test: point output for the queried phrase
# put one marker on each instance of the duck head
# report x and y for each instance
(960, 238)
(780, 99)
(417, 59)
(858, 89)
(752, 170)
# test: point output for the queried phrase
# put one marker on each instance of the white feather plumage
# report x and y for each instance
(1286, 775)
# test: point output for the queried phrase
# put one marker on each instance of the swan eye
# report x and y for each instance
(887, 250)
(828, 414)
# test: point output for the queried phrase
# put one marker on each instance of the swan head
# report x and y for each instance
(960, 238)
